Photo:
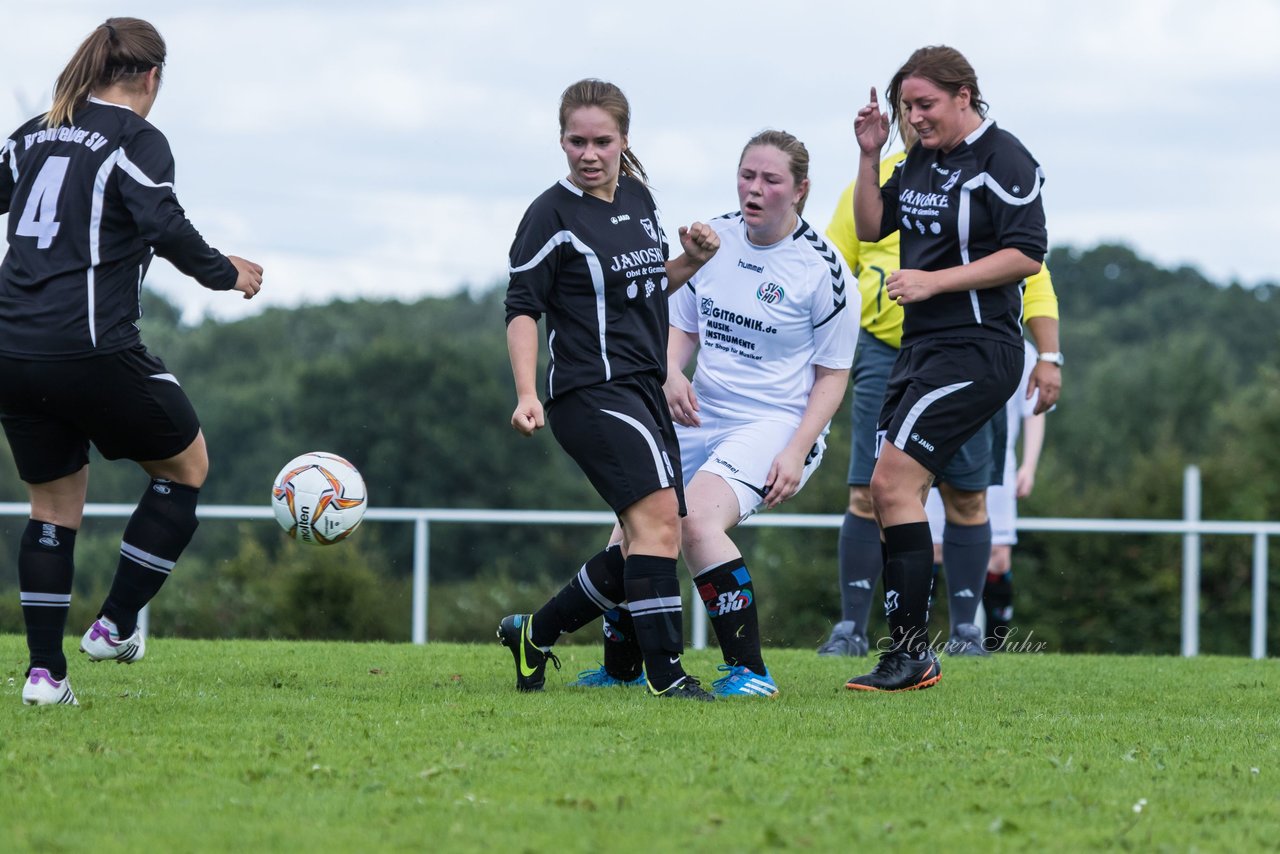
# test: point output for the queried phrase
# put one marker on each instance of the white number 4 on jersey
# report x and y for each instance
(39, 216)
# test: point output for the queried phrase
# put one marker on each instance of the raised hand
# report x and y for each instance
(871, 127)
(699, 242)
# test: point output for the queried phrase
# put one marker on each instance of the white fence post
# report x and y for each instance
(699, 620)
(1191, 564)
(421, 574)
(1258, 637)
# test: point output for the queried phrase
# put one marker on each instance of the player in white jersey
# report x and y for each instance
(768, 318)
(1002, 508)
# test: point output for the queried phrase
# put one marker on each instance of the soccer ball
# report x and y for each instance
(319, 498)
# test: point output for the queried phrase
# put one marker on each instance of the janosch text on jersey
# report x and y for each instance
(597, 270)
(89, 203)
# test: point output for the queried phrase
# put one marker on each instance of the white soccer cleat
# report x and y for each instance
(41, 689)
(102, 643)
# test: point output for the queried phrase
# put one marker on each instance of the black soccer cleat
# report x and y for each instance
(899, 670)
(685, 688)
(531, 662)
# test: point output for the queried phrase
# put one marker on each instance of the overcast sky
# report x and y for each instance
(388, 149)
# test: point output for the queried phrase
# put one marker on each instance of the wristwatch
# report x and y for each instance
(1052, 358)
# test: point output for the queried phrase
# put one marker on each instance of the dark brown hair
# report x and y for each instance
(944, 67)
(797, 156)
(608, 97)
(119, 50)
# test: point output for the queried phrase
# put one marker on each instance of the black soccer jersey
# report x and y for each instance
(956, 207)
(88, 205)
(597, 270)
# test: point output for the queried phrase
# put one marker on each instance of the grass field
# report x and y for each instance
(258, 746)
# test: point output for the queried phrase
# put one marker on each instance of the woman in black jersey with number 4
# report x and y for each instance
(89, 192)
(590, 254)
(967, 203)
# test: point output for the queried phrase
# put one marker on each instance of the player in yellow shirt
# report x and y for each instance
(967, 539)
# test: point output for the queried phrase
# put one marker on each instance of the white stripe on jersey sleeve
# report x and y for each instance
(962, 218)
(133, 171)
(11, 151)
(597, 282)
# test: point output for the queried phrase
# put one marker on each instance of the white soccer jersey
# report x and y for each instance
(765, 316)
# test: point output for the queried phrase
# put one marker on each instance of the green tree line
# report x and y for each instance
(1165, 368)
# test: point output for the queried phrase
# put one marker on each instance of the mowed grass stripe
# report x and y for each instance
(222, 745)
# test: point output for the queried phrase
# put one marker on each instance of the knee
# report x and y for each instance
(860, 502)
(965, 508)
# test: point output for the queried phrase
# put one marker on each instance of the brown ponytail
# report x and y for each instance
(119, 50)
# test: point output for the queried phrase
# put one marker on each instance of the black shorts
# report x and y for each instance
(620, 434)
(127, 404)
(942, 391)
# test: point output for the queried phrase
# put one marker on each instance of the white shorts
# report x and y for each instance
(740, 452)
(1002, 510)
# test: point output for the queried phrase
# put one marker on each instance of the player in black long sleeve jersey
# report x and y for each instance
(967, 203)
(89, 192)
(591, 256)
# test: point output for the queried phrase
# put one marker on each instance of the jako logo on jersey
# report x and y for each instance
(620, 218)
(770, 292)
(649, 229)
(707, 306)
(752, 267)
(915, 437)
(951, 182)
(734, 600)
(638, 258)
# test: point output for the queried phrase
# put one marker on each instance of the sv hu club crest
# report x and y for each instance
(649, 229)
(770, 293)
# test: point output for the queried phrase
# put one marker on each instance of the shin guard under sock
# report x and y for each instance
(46, 567)
(729, 597)
(595, 589)
(157, 533)
(908, 581)
(653, 592)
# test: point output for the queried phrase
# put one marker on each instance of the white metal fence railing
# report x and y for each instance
(1190, 528)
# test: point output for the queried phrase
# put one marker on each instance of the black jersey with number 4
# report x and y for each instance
(597, 270)
(956, 207)
(88, 203)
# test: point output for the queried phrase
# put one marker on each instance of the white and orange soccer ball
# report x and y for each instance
(319, 498)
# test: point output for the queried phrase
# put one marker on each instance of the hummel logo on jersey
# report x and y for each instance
(649, 229)
(752, 267)
(965, 594)
(769, 292)
(620, 218)
(863, 583)
(734, 600)
(915, 437)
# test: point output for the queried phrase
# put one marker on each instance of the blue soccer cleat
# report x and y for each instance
(741, 682)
